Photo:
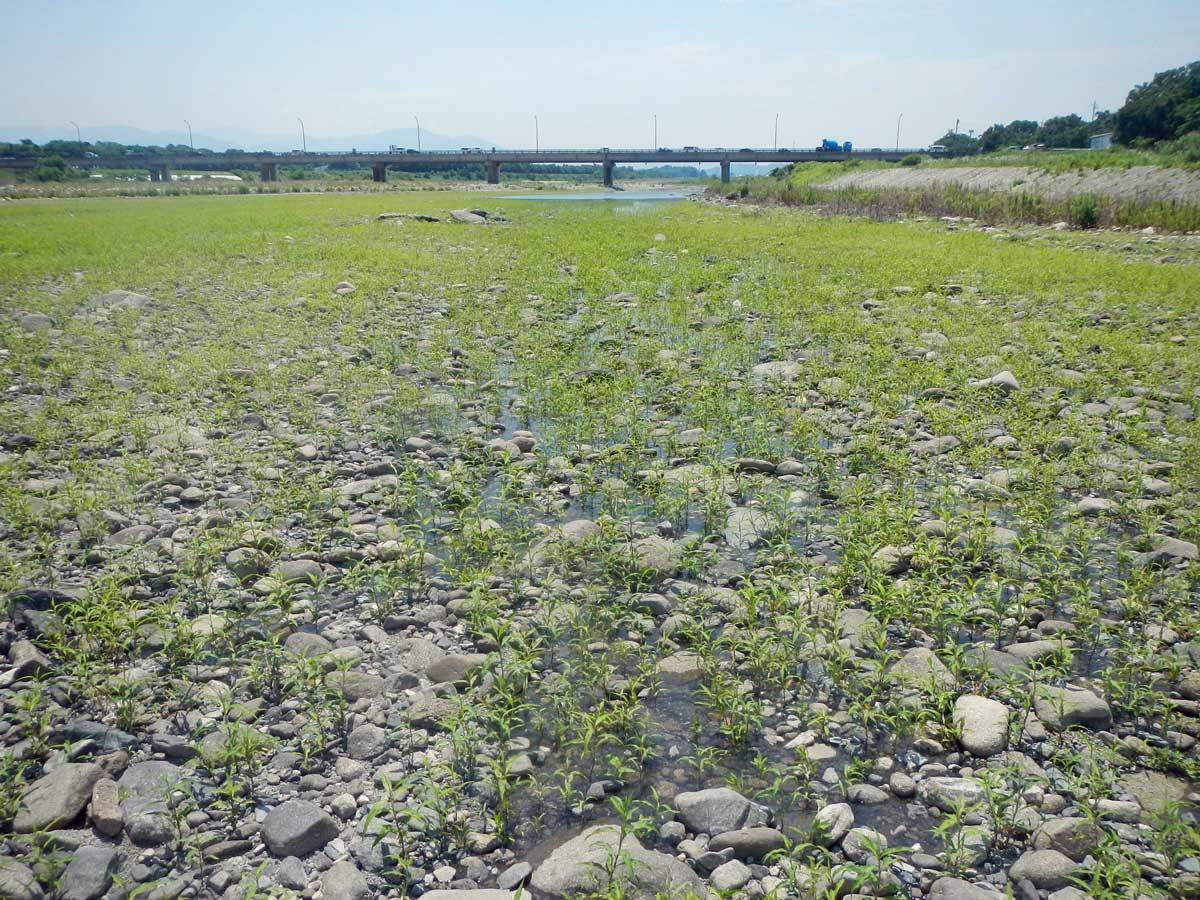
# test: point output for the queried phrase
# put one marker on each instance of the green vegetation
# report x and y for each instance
(1159, 113)
(477, 535)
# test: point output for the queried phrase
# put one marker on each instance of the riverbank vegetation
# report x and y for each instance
(698, 547)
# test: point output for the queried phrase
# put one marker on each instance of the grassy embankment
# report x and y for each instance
(804, 187)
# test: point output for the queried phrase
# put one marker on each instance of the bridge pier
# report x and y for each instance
(160, 173)
(493, 172)
(379, 172)
(608, 173)
(724, 171)
(269, 172)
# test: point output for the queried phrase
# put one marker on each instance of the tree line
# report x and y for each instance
(1163, 110)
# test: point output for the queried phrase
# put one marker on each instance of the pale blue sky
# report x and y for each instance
(715, 71)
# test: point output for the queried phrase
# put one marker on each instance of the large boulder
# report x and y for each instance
(983, 723)
(748, 526)
(749, 843)
(946, 792)
(577, 867)
(344, 881)
(297, 828)
(1071, 836)
(57, 798)
(1047, 869)
(17, 881)
(831, 823)
(716, 810)
(147, 788)
(1063, 707)
(89, 874)
(919, 667)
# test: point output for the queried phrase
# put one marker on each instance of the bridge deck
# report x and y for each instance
(478, 155)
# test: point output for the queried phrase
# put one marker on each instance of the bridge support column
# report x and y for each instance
(269, 172)
(379, 172)
(725, 171)
(493, 172)
(160, 173)
(608, 173)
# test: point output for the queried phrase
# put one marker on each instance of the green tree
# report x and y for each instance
(1168, 107)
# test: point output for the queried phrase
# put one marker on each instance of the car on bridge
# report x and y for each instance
(691, 149)
(664, 150)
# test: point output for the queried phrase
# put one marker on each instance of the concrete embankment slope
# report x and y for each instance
(1140, 183)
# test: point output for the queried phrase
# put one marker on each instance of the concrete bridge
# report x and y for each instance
(268, 164)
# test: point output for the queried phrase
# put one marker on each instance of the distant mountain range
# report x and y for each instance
(240, 139)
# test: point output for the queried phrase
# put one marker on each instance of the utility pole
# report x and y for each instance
(78, 138)
(191, 141)
(418, 121)
(537, 140)
(898, 118)
(956, 121)
(776, 132)
(1093, 110)
(303, 136)
(655, 144)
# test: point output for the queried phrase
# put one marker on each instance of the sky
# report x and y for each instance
(714, 72)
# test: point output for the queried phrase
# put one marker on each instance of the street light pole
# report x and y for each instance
(303, 136)
(537, 141)
(191, 142)
(898, 118)
(656, 131)
(418, 121)
(78, 137)
(776, 132)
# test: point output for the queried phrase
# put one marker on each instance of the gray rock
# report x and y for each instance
(514, 875)
(57, 798)
(748, 843)
(17, 881)
(366, 742)
(1175, 547)
(307, 644)
(983, 722)
(957, 889)
(247, 562)
(717, 810)
(574, 868)
(474, 894)
(1046, 869)
(1063, 707)
(36, 322)
(681, 667)
(935, 446)
(918, 667)
(296, 571)
(658, 554)
(945, 792)
(1073, 837)
(291, 875)
(864, 794)
(456, 668)
(729, 876)
(1005, 381)
(343, 881)
(748, 526)
(89, 874)
(831, 823)
(860, 845)
(297, 827)
(466, 217)
(147, 787)
(776, 370)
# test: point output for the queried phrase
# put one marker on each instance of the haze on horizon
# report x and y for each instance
(716, 72)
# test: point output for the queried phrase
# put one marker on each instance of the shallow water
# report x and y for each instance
(606, 196)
